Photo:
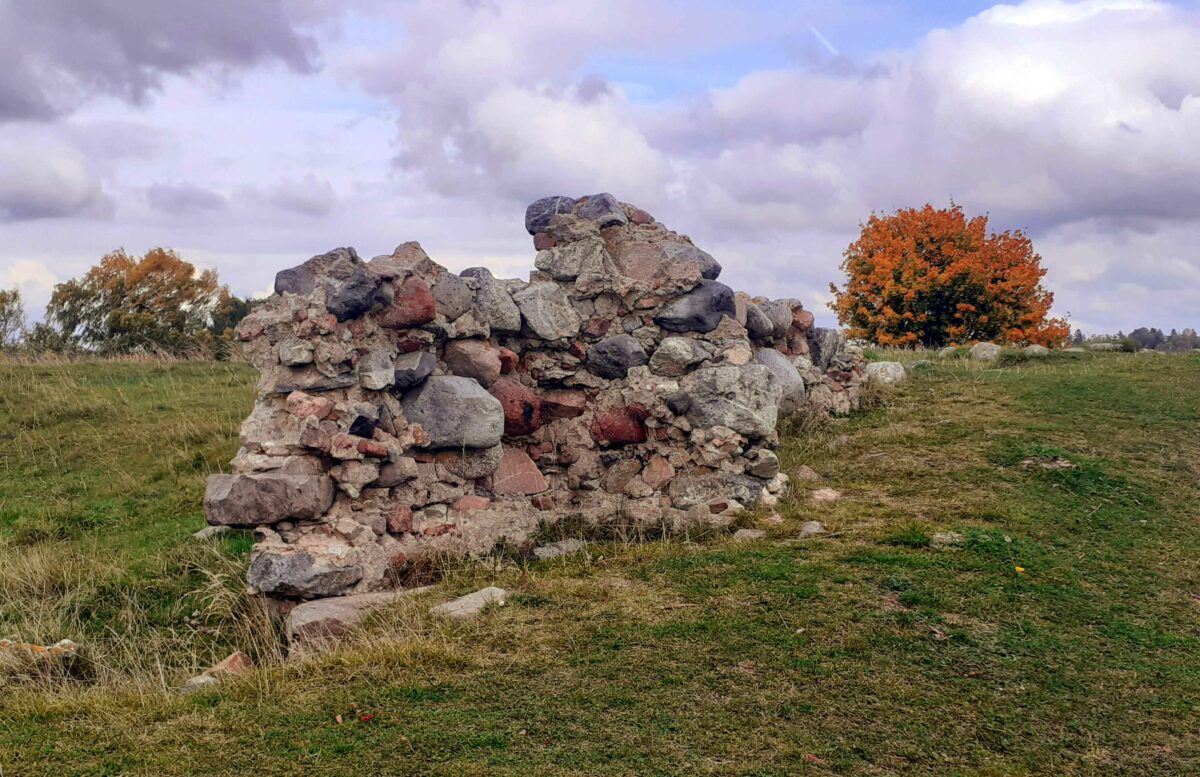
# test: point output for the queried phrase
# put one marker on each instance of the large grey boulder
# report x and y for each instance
(350, 287)
(264, 498)
(494, 304)
(824, 344)
(784, 373)
(455, 412)
(548, 311)
(985, 352)
(700, 310)
(745, 399)
(758, 323)
(604, 209)
(886, 373)
(325, 571)
(612, 357)
(453, 296)
(779, 314)
(539, 213)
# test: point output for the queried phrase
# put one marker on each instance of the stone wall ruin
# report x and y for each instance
(406, 411)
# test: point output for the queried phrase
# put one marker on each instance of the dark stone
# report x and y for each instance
(612, 358)
(295, 280)
(412, 368)
(363, 427)
(699, 310)
(353, 296)
(603, 209)
(710, 268)
(350, 288)
(679, 402)
(538, 215)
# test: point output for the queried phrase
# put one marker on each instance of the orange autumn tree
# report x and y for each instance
(930, 277)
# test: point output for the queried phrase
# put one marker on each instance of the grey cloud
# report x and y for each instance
(41, 179)
(307, 196)
(54, 54)
(182, 199)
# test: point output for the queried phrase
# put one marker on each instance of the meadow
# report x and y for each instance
(1009, 585)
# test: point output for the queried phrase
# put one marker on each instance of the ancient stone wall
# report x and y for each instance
(406, 411)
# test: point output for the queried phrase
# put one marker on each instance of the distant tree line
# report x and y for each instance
(155, 304)
(1144, 339)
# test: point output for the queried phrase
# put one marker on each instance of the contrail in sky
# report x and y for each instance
(824, 41)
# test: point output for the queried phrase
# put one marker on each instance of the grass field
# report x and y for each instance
(1062, 636)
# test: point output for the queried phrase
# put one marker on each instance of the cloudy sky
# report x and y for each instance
(251, 135)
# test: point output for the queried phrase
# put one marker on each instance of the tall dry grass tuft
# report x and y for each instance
(135, 632)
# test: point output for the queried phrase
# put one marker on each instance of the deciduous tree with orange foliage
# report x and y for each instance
(158, 303)
(930, 277)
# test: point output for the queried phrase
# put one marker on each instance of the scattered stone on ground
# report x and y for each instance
(826, 495)
(470, 606)
(805, 472)
(810, 529)
(1036, 350)
(747, 535)
(23, 655)
(985, 352)
(949, 352)
(1048, 462)
(775, 519)
(321, 622)
(235, 663)
(943, 539)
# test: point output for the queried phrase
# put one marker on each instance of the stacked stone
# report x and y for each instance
(405, 411)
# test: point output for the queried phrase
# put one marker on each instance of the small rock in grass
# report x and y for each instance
(470, 606)
(811, 529)
(826, 495)
(211, 532)
(775, 519)
(556, 549)
(944, 539)
(805, 472)
(747, 535)
(199, 683)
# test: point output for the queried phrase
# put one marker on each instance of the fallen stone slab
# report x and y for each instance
(826, 495)
(320, 623)
(748, 535)
(470, 606)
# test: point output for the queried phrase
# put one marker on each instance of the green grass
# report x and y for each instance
(870, 650)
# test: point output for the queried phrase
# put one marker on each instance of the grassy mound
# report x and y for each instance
(1010, 584)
